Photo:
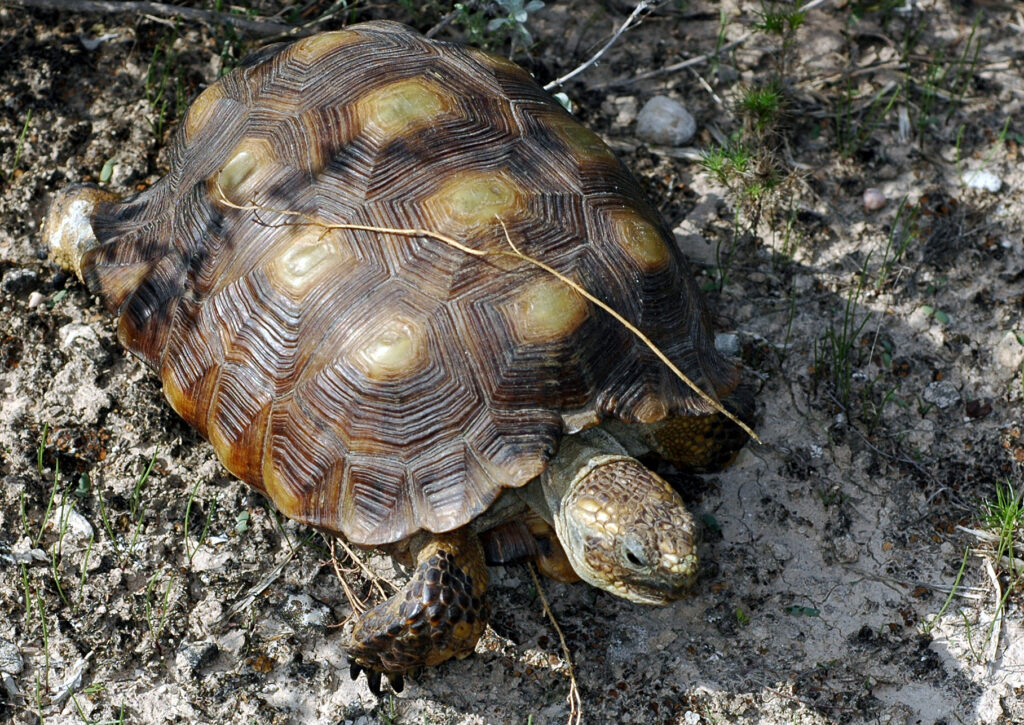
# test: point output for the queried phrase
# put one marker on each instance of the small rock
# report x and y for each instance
(727, 74)
(625, 110)
(35, 299)
(694, 246)
(978, 408)
(210, 559)
(13, 693)
(19, 281)
(303, 612)
(232, 642)
(728, 343)
(874, 199)
(1009, 353)
(983, 179)
(922, 435)
(11, 661)
(665, 122)
(942, 394)
(205, 616)
(192, 657)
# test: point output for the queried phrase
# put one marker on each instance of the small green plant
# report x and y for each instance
(935, 313)
(782, 21)
(1002, 536)
(997, 145)
(20, 147)
(762, 105)
(49, 504)
(728, 164)
(165, 87)
(855, 121)
(491, 24)
(206, 525)
(42, 447)
(903, 233)
(136, 509)
(839, 344)
(156, 625)
(513, 23)
(779, 22)
(1004, 517)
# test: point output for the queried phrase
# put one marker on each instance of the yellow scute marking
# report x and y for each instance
(584, 143)
(498, 62)
(547, 310)
(248, 163)
(403, 105)
(306, 254)
(287, 501)
(641, 241)
(474, 198)
(315, 47)
(202, 110)
(397, 349)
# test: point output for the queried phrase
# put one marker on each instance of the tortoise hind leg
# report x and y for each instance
(704, 444)
(440, 613)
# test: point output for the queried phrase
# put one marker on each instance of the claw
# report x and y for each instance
(373, 677)
(373, 680)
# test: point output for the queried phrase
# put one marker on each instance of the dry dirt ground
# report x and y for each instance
(887, 343)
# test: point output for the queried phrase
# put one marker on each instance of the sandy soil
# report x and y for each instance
(830, 549)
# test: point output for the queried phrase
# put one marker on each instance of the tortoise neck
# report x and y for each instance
(577, 455)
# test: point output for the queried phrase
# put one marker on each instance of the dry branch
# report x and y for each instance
(142, 7)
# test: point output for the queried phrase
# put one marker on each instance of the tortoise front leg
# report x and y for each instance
(440, 613)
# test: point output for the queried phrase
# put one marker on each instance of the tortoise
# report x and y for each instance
(324, 283)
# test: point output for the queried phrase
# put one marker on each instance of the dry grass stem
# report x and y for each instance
(997, 615)
(374, 578)
(575, 704)
(357, 605)
(255, 591)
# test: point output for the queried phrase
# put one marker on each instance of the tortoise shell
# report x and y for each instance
(374, 383)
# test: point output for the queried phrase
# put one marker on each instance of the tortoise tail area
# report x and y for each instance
(124, 251)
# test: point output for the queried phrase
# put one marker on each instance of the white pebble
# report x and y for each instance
(35, 299)
(983, 179)
(76, 332)
(68, 521)
(1009, 353)
(874, 199)
(665, 122)
(727, 343)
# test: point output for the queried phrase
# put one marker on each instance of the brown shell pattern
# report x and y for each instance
(376, 384)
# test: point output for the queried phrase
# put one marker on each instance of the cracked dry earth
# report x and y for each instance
(829, 551)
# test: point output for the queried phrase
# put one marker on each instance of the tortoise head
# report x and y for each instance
(626, 530)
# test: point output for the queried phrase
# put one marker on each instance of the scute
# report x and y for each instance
(375, 383)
